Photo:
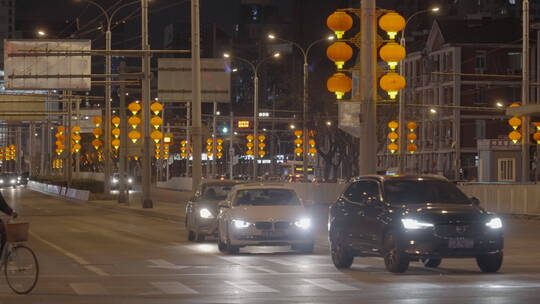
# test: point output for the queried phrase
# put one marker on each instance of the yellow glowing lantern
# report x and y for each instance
(393, 125)
(339, 22)
(411, 125)
(339, 84)
(515, 136)
(209, 141)
(96, 143)
(392, 53)
(298, 133)
(76, 129)
(156, 121)
(392, 23)
(262, 138)
(339, 53)
(298, 151)
(250, 144)
(97, 121)
(134, 121)
(97, 132)
(249, 152)
(219, 155)
(156, 107)
(250, 137)
(393, 136)
(515, 122)
(392, 147)
(61, 129)
(134, 107)
(262, 153)
(77, 147)
(536, 136)
(115, 132)
(298, 142)
(412, 137)
(392, 83)
(219, 141)
(156, 136)
(134, 136)
(116, 121)
(412, 148)
(312, 151)
(115, 143)
(262, 145)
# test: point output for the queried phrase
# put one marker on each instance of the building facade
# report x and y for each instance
(7, 25)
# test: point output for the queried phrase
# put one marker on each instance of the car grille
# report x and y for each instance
(457, 230)
(272, 225)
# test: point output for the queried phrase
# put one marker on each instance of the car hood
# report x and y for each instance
(268, 213)
(212, 205)
(445, 213)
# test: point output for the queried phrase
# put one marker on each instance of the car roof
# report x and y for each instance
(261, 186)
(221, 182)
(383, 178)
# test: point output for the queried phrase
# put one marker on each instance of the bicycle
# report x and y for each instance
(19, 263)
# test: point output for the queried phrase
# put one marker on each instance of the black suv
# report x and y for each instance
(412, 218)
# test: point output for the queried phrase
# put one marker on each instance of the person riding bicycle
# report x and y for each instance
(5, 208)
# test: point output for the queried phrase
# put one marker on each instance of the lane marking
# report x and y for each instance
(173, 288)
(250, 286)
(84, 289)
(237, 261)
(158, 263)
(79, 260)
(331, 285)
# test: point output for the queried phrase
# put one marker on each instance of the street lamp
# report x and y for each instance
(305, 54)
(255, 69)
(401, 115)
(41, 33)
(106, 148)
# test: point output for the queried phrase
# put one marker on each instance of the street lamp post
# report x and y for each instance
(401, 116)
(255, 69)
(107, 120)
(305, 54)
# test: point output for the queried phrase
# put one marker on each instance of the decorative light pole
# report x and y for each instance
(255, 69)
(305, 54)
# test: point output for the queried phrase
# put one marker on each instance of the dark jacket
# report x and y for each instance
(4, 207)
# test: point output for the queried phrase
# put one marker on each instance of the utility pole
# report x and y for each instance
(525, 94)
(107, 120)
(214, 139)
(231, 147)
(147, 158)
(196, 94)
(78, 153)
(368, 89)
(69, 163)
(255, 123)
(122, 197)
(31, 129)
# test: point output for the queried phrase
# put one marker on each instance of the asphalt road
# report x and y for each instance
(90, 254)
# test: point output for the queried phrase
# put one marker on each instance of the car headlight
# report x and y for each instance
(415, 224)
(205, 213)
(114, 180)
(19, 178)
(241, 224)
(12, 181)
(130, 180)
(303, 223)
(495, 223)
(1, 181)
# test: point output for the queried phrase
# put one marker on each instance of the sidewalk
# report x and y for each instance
(168, 204)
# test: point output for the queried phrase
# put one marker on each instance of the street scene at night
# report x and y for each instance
(269, 151)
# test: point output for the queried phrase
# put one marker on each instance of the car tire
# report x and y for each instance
(490, 262)
(304, 248)
(431, 263)
(341, 255)
(229, 248)
(221, 246)
(395, 259)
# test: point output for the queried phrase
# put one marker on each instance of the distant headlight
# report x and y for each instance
(205, 213)
(241, 224)
(114, 180)
(130, 180)
(1, 181)
(18, 178)
(303, 223)
(13, 181)
(495, 223)
(415, 224)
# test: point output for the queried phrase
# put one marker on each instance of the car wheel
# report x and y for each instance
(341, 255)
(490, 262)
(395, 259)
(304, 248)
(229, 248)
(431, 263)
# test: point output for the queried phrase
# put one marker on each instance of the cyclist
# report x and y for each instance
(4, 207)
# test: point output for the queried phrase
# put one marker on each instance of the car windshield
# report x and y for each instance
(266, 197)
(216, 192)
(407, 192)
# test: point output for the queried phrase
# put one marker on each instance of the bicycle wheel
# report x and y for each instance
(21, 269)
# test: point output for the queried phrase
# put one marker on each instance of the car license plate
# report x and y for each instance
(460, 243)
(272, 233)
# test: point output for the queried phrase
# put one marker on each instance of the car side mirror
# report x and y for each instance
(475, 201)
(224, 204)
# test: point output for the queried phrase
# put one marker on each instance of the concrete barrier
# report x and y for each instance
(506, 198)
(177, 183)
(70, 193)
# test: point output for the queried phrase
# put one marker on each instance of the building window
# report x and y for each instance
(514, 62)
(512, 2)
(480, 129)
(480, 62)
(507, 170)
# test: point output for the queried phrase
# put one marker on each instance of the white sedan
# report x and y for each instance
(263, 215)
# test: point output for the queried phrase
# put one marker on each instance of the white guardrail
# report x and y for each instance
(506, 198)
(70, 193)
